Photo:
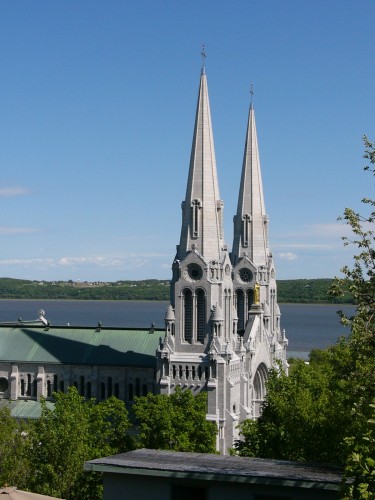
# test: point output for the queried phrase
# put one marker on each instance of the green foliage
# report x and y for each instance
(309, 291)
(73, 432)
(119, 290)
(176, 422)
(361, 464)
(14, 446)
(297, 422)
(299, 291)
(310, 414)
(47, 455)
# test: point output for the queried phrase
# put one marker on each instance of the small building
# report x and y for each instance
(164, 475)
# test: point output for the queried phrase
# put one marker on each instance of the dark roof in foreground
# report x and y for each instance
(77, 345)
(220, 468)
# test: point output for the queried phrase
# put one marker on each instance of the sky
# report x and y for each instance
(97, 101)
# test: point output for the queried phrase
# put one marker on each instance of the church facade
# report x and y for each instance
(222, 327)
(223, 324)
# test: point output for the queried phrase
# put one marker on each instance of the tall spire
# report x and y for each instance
(202, 209)
(251, 221)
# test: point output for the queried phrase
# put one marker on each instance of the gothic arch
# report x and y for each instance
(188, 315)
(259, 389)
(240, 304)
(194, 314)
(259, 385)
(200, 295)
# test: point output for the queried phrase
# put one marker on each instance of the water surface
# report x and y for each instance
(307, 326)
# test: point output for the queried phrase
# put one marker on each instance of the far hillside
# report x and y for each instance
(306, 291)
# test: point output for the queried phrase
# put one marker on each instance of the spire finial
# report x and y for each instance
(251, 93)
(203, 54)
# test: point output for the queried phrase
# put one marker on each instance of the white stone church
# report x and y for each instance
(222, 328)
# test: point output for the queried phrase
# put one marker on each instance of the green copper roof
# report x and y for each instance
(69, 345)
(24, 408)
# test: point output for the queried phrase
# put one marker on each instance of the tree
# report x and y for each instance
(176, 422)
(297, 421)
(70, 434)
(360, 464)
(353, 359)
(309, 415)
(14, 445)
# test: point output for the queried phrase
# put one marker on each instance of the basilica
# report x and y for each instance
(222, 327)
(223, 323)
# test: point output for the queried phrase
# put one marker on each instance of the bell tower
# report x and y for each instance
(201, 315)
(254, 275)
(221, 327)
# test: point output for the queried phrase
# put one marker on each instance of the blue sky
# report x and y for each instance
(97, 105)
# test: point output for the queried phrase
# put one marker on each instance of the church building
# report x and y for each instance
(223, 324)
(222, 327)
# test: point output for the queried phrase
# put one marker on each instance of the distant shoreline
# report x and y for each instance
(299, 291)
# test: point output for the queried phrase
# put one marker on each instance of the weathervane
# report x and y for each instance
(203, 54)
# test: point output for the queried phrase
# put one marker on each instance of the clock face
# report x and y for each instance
(246, 275)
(194, 272)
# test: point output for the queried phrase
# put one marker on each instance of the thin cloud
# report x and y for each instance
(123, 262)
(27, 262)
(6, 231)
(331, 230)
(314, 237)
(8, 192)
(287, 256)
(306, 246)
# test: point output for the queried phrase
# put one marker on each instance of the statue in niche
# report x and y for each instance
(257, 293)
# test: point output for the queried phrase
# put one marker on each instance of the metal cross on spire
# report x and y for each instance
(251, 92)
(203, 54)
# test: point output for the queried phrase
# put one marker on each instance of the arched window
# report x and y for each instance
(102, 391)
(35, 388)
(62, 386)
(117, 390)
(88, 390)
(49, 389)
(131, 392)
(201, 315)
(246, 230)
(109, 386)
(188, 316)
(23, 385)
(260, 379)
(82, 386)
(138, 387)
(28, 389)
(240, 311)
(144, 390)
(250, 298)
(195, 205)
(55, 383)
(273, 302)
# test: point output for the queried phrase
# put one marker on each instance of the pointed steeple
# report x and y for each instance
(251, 221)
(202, 209)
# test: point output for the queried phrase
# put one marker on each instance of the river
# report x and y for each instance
(307, 326)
